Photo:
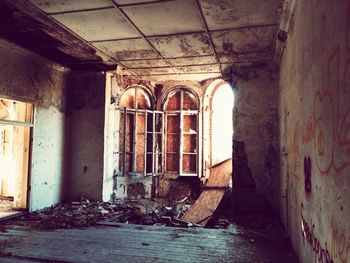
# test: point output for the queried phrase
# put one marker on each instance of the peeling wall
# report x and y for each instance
(86, 107)
(255, 122)
(315, 96)
(28, 77)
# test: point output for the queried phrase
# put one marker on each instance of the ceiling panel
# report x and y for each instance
(166, 17)
(243, 40)
(183, 45)
(226, 14)
(192, 61)
(199, 77)
(193, 77)
(153, 71)
(126, 49)
(203, 68)
(145, 63)
(53, 6)
(98, 25)
(247, 57)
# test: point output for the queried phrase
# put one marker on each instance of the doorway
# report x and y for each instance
(16, 121)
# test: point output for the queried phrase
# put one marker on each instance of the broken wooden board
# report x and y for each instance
(210, 198)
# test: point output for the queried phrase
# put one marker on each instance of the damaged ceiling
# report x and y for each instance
(167, 39)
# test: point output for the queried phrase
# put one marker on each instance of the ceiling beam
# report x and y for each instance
(187, 33)
(182, 66)
(108, 7)
(204, 22)
(182, 73)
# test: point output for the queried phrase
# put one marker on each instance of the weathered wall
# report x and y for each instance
(134, 186)
(86, 107)
(25, 76)
(315, 96)
(255, 123)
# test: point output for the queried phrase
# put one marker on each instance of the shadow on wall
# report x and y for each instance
(256, 156)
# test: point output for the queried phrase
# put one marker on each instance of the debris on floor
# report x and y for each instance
(86, 213)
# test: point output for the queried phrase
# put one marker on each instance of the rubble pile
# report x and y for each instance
(86, 213)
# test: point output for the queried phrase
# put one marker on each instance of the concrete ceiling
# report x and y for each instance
(168, 39)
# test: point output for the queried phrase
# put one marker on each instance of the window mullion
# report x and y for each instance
(181, 133)
(134, 143)
(124, 142)
(162, 141)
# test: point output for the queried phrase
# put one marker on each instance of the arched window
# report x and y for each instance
(217, 124)
(181, 132)
(139, 126)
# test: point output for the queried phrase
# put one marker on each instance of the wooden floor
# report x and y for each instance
(137, 243)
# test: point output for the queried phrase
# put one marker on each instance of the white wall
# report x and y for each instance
(27, 77)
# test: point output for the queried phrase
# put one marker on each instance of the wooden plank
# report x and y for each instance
(5, 215)
(210, 198)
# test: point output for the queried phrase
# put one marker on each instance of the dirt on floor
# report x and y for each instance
(161, 212)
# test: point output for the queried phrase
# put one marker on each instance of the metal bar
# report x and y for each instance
(145, 149)
(124, 142)
(140, 33)
(204, 22)
(16, 123)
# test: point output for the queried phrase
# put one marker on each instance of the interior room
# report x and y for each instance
(174, 131)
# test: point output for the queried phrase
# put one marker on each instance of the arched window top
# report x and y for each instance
(136, 98)
(181, 99)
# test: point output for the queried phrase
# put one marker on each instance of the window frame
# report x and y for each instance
(181, 113)
(156, 155)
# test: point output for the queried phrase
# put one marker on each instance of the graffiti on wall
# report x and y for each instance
(307, 174)
(340, 245)
(320, 249)
(294, 152)
(332, 111)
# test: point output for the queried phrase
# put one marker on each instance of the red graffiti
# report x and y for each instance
(332, 112)
(341, 246)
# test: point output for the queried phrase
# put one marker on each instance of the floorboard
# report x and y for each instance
(136, 243)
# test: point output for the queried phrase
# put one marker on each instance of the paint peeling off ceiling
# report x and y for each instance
(173, 39)
(57, 6)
